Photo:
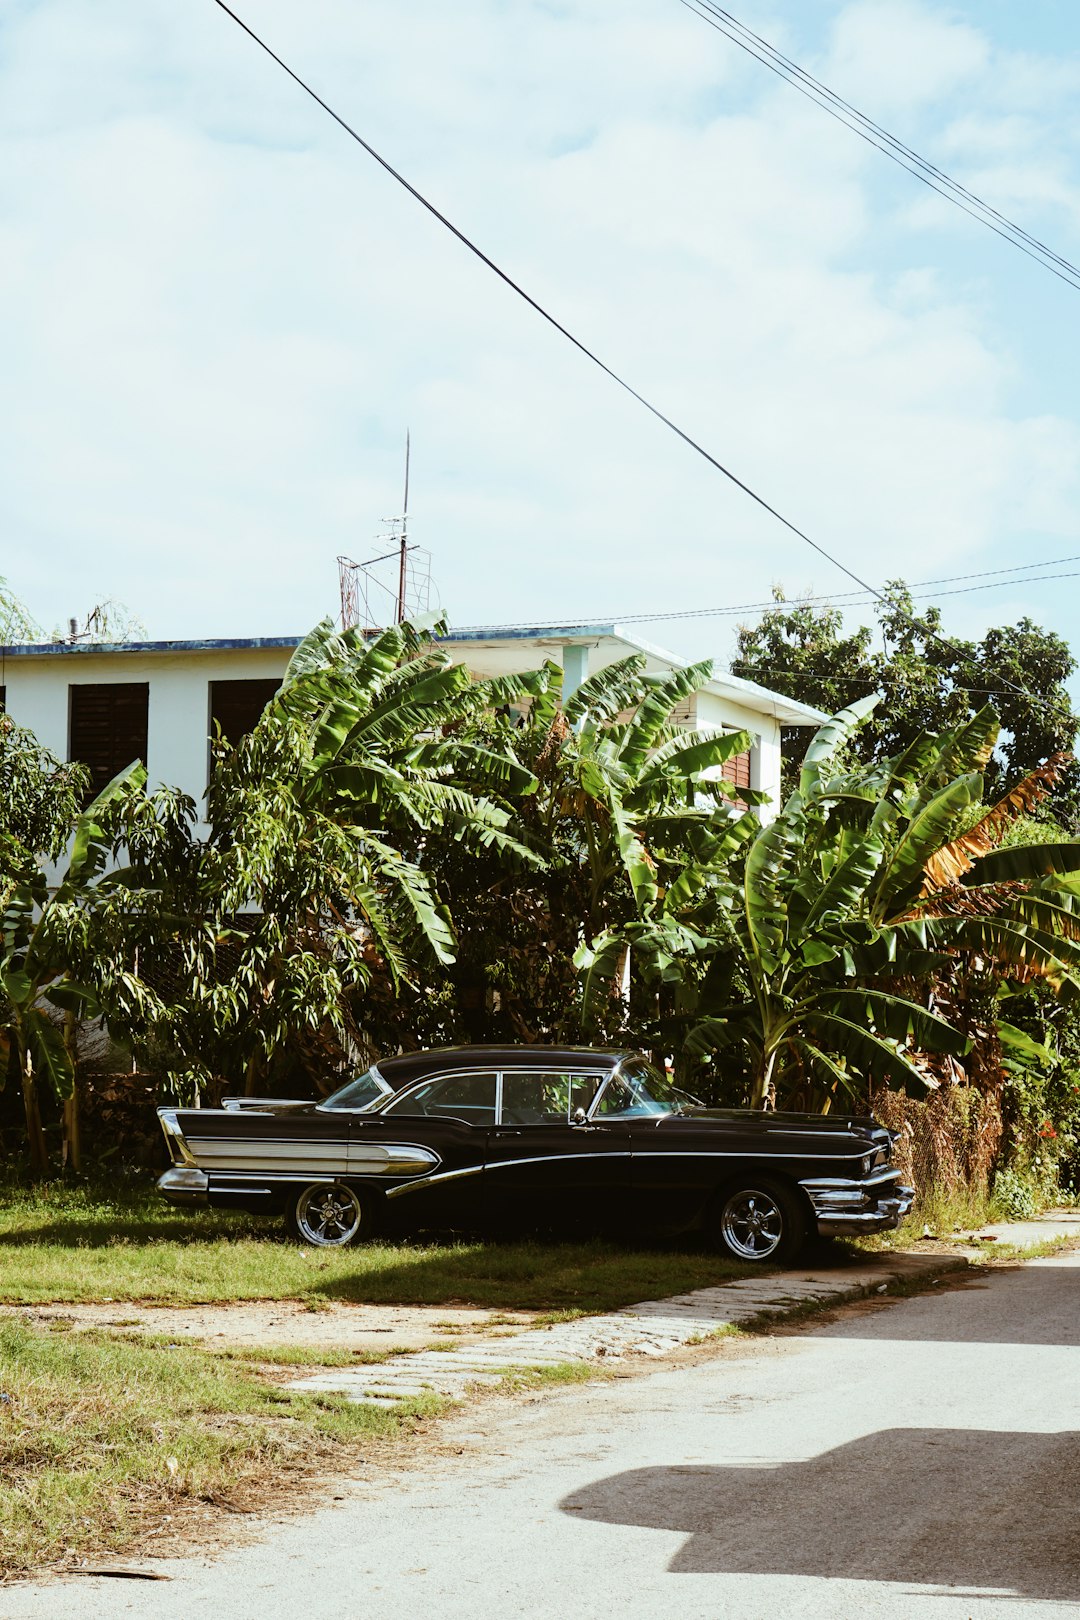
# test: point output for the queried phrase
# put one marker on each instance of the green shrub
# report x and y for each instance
(1015, 1196)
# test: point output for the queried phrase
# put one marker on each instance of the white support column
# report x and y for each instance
(178, 729)
(575, 663)
(765, 762)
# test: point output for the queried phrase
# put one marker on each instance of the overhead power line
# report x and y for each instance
(840, 599)
(582, 348)
(889, 145)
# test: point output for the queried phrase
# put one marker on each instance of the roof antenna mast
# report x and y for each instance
(364, 590)
(402, 566)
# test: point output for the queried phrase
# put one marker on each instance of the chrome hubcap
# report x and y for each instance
(328, 1217)
(752, 1224)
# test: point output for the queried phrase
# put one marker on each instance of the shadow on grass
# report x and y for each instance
(134, 1246)
(88, 1253)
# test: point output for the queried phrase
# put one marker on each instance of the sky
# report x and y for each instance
(219, 318)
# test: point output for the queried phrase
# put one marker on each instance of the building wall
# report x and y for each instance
(713, 710)
(37, 695)
(178, 722)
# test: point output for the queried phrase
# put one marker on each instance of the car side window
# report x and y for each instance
(545, 1098)
(468, 1097)
(629, 1096)
(617, 1098)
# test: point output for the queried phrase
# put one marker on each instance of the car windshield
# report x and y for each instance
(362, 1092)
(638, 1089)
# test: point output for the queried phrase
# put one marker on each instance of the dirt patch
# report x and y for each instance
(283, 1322)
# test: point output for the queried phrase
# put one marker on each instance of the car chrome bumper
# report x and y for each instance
(874, 1205)
(183, 1184)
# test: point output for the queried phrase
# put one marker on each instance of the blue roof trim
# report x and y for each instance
(535, 632)
(67, 649)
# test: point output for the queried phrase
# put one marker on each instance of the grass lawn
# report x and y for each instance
(111, 1440)
(60, 1243)
(107, 1440)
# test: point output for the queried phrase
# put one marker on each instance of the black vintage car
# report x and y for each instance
(536, 1137)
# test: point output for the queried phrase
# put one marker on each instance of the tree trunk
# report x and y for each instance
(72, 1139)
(251, 1077)
(35, 1135)
(764, 1095)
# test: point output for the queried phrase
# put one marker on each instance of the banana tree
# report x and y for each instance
(315, 878)
(44, 935)
(846, 907)
(655, 824)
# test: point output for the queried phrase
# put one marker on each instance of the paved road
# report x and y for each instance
(918, 1460)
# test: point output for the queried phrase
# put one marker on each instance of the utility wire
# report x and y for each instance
(843, 600)
(582, 348)
(889, 145)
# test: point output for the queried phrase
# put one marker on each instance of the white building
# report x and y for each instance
(158, 700)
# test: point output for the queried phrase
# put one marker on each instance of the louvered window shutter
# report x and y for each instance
(235, 706)
(108, 728)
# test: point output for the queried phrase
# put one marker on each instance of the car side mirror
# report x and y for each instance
(578, 1117)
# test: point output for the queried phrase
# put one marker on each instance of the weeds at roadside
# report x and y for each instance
(104, 1436)
(516, 1380)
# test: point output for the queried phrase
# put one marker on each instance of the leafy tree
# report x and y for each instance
(16, 624)
(40, 797)
(816, 953)
(928, 682)
(46, 938)
(622, 792)
(255, 938)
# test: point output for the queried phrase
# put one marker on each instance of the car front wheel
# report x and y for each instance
(328, 1216)
(758, 1220)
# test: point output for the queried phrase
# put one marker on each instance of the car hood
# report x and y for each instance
(763, 1119)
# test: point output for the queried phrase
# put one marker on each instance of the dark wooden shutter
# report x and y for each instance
(108, 727)
(737, 770)
(235, 706)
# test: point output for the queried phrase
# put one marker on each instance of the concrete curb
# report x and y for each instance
(651, 1329)
(658, 1327)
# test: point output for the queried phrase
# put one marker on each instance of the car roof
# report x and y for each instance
(397, 1071)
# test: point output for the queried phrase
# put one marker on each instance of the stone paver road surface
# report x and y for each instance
(917, 1460)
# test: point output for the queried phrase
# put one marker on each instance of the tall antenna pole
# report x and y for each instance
(404, 537)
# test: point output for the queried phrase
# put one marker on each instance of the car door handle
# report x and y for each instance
(509, 1133)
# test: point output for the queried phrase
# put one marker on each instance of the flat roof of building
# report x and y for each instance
(733, 687)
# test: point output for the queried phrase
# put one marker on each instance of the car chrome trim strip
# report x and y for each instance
(678, 1152)
(392, 1159)
(551, 1158)
(179, 1151)
(824, 1184)
(319, 1159)
(430, 1181)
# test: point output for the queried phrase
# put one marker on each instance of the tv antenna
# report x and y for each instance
(367, 599)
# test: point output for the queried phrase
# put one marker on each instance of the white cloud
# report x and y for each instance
(221, 316)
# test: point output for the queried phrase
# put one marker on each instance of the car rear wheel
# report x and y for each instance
(758, 1220)
(328, 1216)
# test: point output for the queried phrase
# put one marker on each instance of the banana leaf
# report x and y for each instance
(902, 878)
(827, 740)
(49, 1054)
(766, 864)
(1022, 863)
(872, 1057)
(616, 687)
(846, 885)
(899, 1019)
(653, 712)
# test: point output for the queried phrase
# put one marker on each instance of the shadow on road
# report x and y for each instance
(939, 1507)
(1013, 1305)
